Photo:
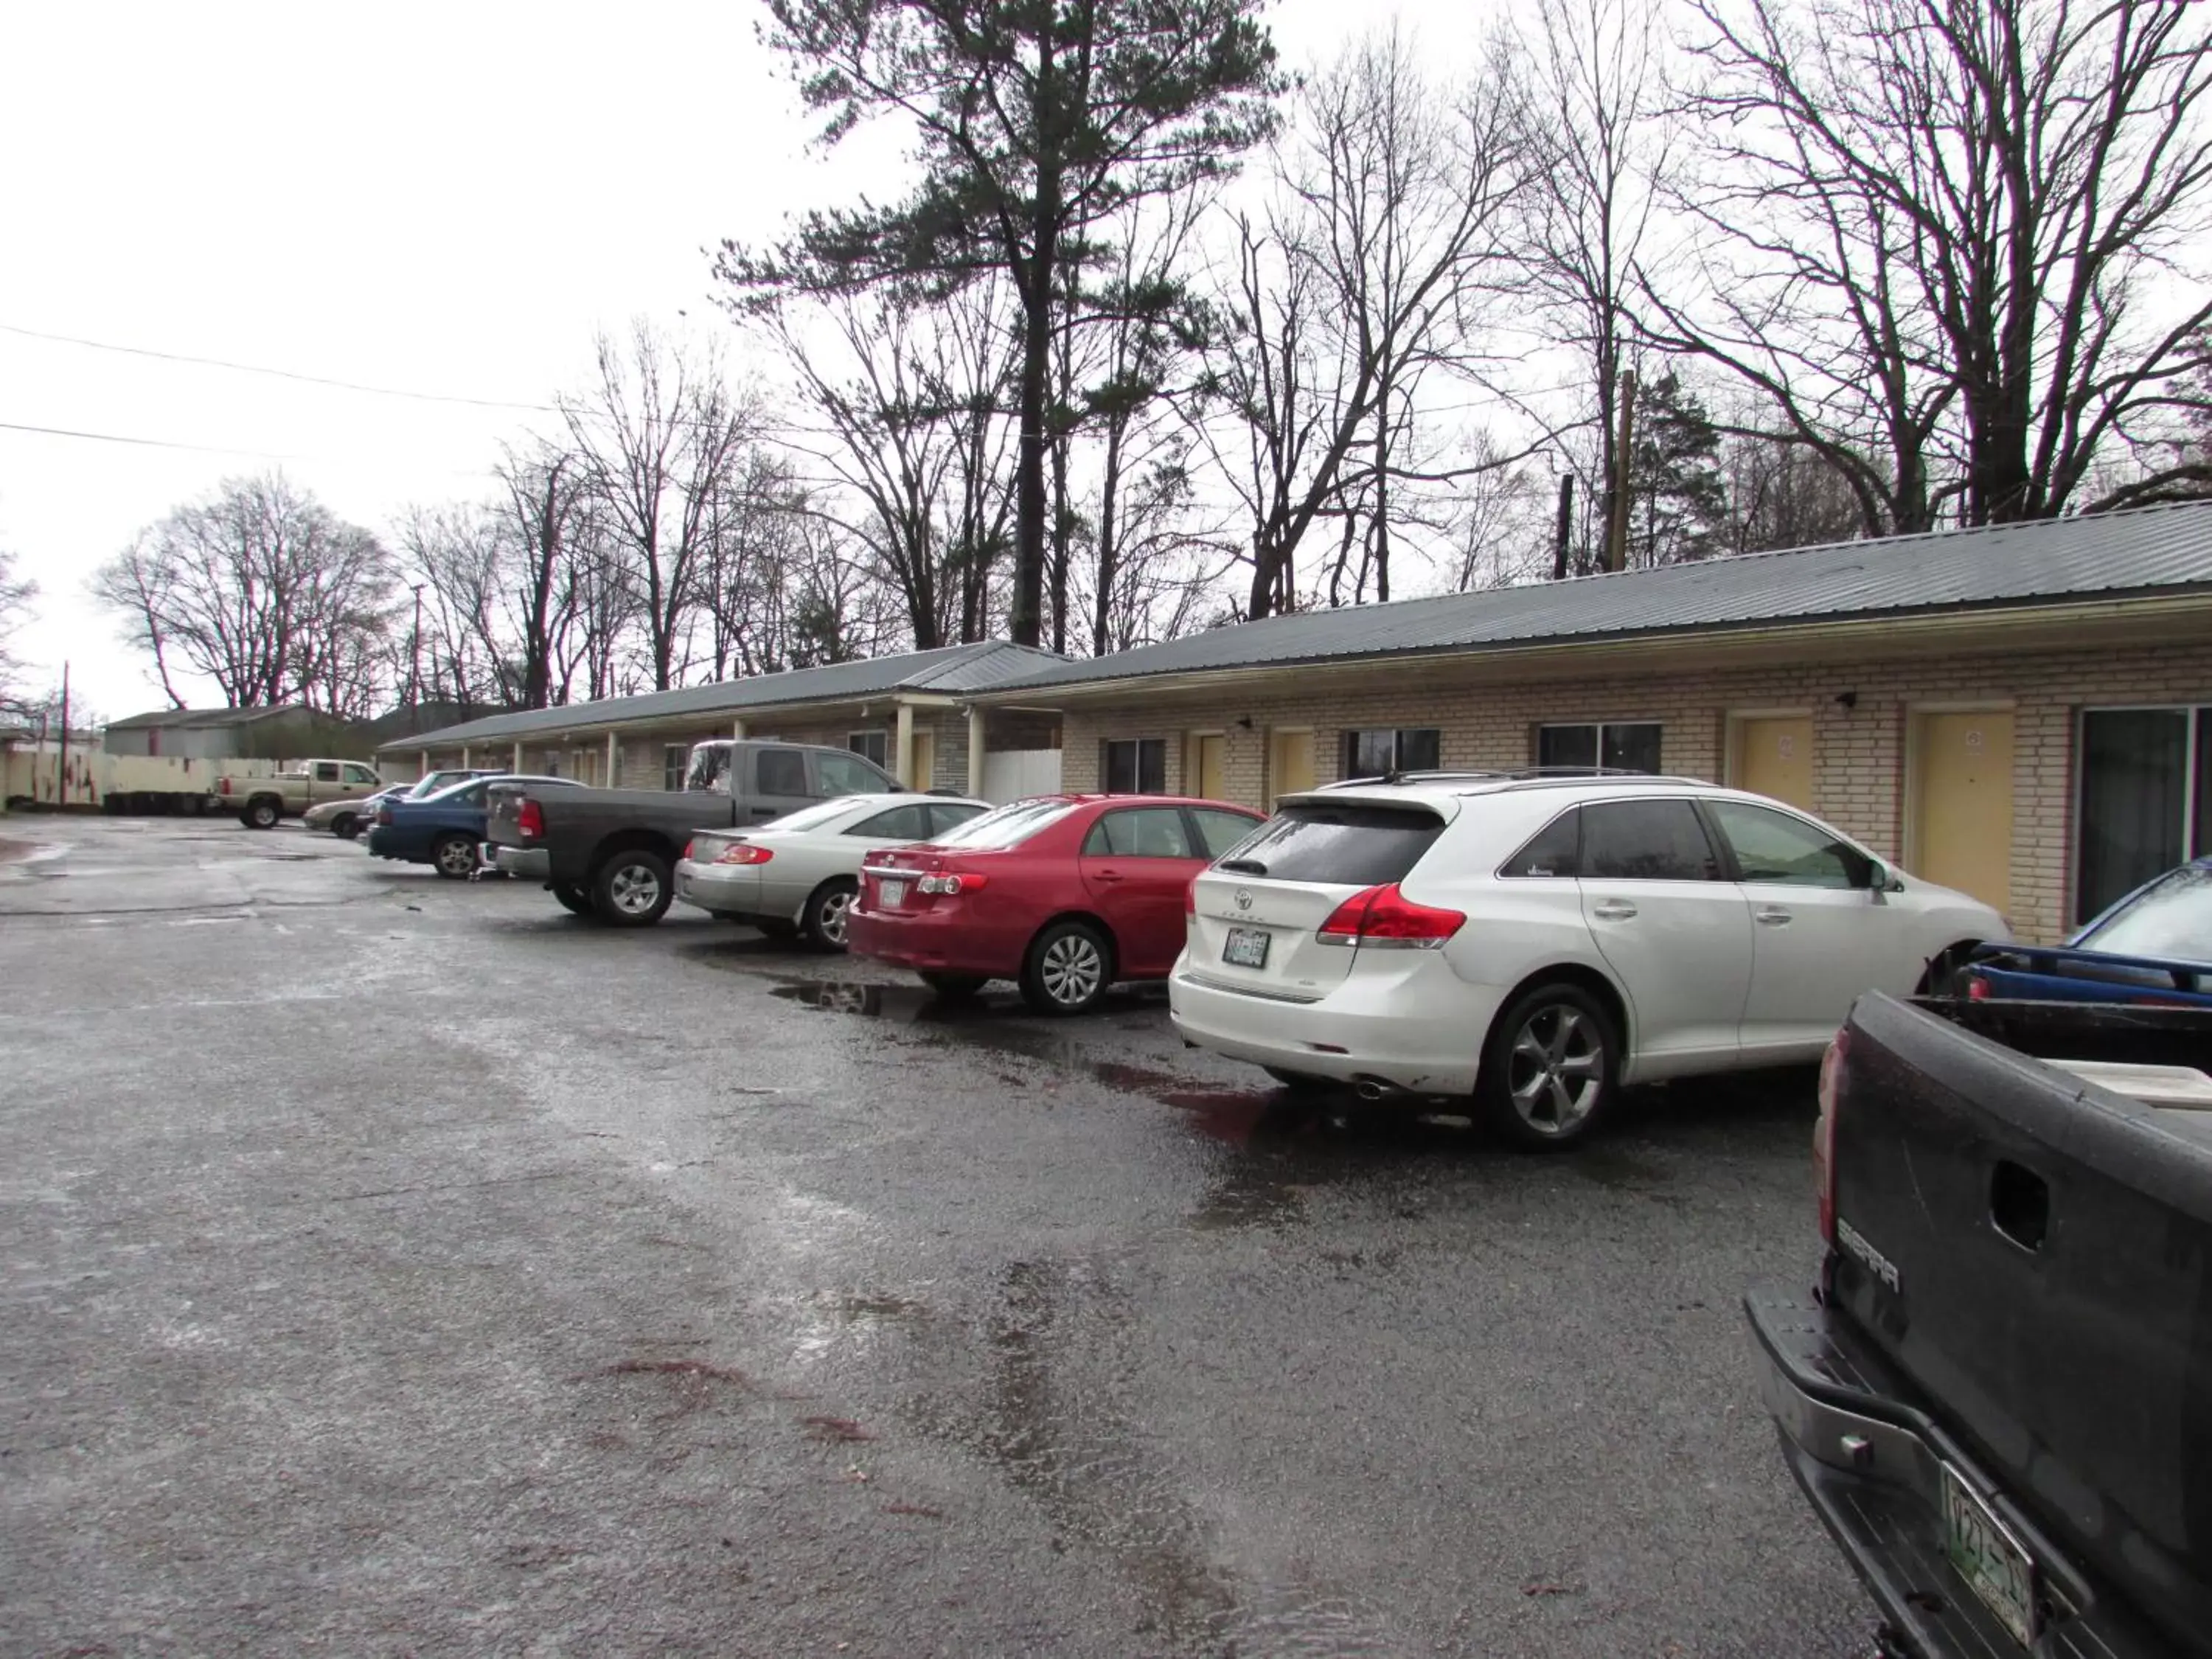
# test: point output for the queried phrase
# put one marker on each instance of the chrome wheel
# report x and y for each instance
(831, 912)
(455, 859)
(633, 890)
(1073, 969)
(1555, 1071)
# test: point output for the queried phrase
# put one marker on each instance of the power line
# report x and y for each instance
(278, 374)
(143, 443)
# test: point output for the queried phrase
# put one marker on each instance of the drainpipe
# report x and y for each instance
(976, 750)
(905, 757)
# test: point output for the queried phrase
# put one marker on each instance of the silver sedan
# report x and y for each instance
(798, 874)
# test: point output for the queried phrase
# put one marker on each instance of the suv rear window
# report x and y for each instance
(1344, 843)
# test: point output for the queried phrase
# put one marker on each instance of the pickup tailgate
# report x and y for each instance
(2034, 1253)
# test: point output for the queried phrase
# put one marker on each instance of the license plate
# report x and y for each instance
(893, 892)
(1245, 947)
(1984, 1553)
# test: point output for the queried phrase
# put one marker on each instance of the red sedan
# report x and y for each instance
(1064, 894)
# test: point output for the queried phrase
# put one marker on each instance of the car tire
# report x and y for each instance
(1946, 971)
(453, 857)
(827, 911)
(345, 826)
(632, 888)
(1550, 1068)
(573, 899)
(261, 815)
(953, 987)
(1068, 968)
(1304, 1083)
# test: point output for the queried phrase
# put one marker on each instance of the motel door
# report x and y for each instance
(1204, 755)
(1775, 758)
(1961, 828)
(1290, 763)
(925, 761)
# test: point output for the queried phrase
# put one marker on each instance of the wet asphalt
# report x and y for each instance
(396, 1266)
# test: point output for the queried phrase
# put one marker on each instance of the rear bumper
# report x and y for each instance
(723, 890)
(1421, 1028)
(1870, 1461)
(938, 940)
(530, 863)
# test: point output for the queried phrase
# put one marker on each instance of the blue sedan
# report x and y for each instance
(2153, 946)
(443, 830)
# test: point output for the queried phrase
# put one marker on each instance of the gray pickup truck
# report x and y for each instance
(612, 853)
(1999, 1396)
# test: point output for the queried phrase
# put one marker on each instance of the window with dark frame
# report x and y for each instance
(2145, 797)
(1134, 766)
(1373, 752)
(1615, 745)
(874, 745)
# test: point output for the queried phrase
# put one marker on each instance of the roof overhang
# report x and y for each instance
(705, 724)
(2143, 619)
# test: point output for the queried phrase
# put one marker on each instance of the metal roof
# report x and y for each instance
(2141, 550)
(171, 719)
(949, 669)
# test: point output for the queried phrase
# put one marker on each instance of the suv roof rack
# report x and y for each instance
(1515, 774)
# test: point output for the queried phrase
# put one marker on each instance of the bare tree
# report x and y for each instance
(1599, 150)
(1370, 275)
(1946, 239)
(262, 589)
(17, 595)
(660, 436)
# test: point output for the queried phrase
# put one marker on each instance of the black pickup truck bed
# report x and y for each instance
(1999, 1397)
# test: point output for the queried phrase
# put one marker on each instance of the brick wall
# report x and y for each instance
(1859, 752)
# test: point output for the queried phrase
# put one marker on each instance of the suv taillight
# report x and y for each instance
(1190, 897)
(1385, 919)
(1834, 1067)
(530, 820)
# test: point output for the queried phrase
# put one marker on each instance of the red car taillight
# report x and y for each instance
(1385, 919)
(384, 816)
(530, 820)
(951, 883)
(744, 852)
(1834, 1065)
(1977, 987)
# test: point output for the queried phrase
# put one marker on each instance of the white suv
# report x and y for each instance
(1540, 940)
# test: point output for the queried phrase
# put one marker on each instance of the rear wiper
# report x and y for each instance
(1249, 867)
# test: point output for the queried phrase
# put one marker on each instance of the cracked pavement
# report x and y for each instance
(397, 1266)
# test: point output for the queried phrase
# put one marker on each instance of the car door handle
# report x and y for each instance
(1772, 918)
(1613, 910)
(1107, 875)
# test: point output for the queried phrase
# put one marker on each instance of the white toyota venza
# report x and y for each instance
(1538, 942)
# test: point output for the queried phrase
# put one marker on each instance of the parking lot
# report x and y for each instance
(404, 1266)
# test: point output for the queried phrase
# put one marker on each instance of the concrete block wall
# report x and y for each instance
(1860, 751)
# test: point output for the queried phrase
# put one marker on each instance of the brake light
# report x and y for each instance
(745, 852)
(1384, 918)
(530, 819)
(1834, 1072)
(1190, 897)
(1977, 989)
(952, 885)
(689, 847)
(222, 786)
(384, 816)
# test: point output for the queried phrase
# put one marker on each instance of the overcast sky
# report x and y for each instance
(445, 199)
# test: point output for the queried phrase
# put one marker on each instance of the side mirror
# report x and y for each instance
(1883, 879)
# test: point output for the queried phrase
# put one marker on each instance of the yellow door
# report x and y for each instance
(1962, 804)
(925, 761)
(1204, 756)
(1290, 763)
(1775, 758)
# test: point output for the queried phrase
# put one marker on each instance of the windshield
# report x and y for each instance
(807, 816)
(1008, 825)
(2173, 920)
(710, 769)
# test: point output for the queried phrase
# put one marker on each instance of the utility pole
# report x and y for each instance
(61, 760)
(1567, 527)
(1616, 529)
(415, 651)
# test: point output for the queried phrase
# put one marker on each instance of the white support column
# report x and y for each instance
(517, 766)
(976, 750)
(423, 769)
(613, 758)
(737, 730)
(904, 767)
(464, 757)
